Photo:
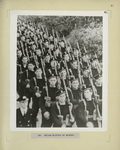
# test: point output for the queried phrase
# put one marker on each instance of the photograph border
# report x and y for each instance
(13, 41)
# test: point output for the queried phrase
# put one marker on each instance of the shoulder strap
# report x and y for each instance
(49, 71)
(85, 104)
(58, 107)
(27, 74)
(35, 81)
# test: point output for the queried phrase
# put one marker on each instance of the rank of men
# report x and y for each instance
(58, 85)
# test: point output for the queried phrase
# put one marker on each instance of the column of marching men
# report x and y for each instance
(61, 82)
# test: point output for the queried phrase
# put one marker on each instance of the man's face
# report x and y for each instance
(30, 67)
(94, 64)
(75, 84)
(27, 40)
(76, 52)
(74, 64)
(47, 59)
(66, 58)
(23, 38)
(57, 51)
(32, 34)
(33, 46)
(38, 72)
(85, 58)
(53, 81)
(45, 36)
(98, 81)
(46, 44)
(86, 73)
(38, 52)
(18, 34)
(24, 104)
(62, 44)
(19, 53)
(51, 37)
(62, 98)
(88, 94)
(63, 73)
(24, 60)
(68, 49)
(51, 46)
(53, 64)
(22, 28)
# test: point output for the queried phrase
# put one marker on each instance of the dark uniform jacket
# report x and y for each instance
(64, 109)
(33, 84)
(26, 121)
(44, 108)
(26, 77)
(51, 92)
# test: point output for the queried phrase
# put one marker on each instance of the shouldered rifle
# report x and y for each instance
(20, 73)
(69, 118)
(36, 88)
(42, 28)
(41, 48)
(67, 72)
(96, 96)
(79, 73)
(45, 78)
(65, 41)
(35, 39)
(35, 60)
(57, 35)
(22, 48)
(58, 79)
(47, 98)
(98, 65)
(53, 33)
(79, 50)
(27, 52)
(27, 81)
(85, 49)
(47, 31)
(66, 92)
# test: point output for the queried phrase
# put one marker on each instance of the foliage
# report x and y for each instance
(85, 30)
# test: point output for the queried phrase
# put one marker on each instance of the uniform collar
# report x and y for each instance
(23, 111)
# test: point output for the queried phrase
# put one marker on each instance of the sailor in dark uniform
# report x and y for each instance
(20, 69)
(98, 85)
(47, 99)
(63, 76)
(75, 68)
(91, 109)
(24, 64)
(57, 54)
(62, 112)
(38, 54)
(62, 45)
(94, 67)
(78, 103)
(86, 72)
(53, 69)
(36, 85)
(47, 62)
(24, 115)
(84, 60)
(66, 61)
(19, 57)
(25, 80)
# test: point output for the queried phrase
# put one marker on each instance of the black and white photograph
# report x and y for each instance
(58, 71)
